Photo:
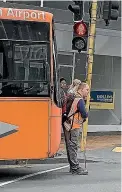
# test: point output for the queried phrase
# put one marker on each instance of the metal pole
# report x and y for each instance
(41, 3)
(73, 69)
(90, 53)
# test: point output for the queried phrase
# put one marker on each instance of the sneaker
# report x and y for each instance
(79, 171)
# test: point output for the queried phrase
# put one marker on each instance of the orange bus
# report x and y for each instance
(30, 114)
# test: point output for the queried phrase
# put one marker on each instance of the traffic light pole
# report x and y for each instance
(73, 69)
(90, 53)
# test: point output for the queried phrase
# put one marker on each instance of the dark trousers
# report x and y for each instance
(71, 140)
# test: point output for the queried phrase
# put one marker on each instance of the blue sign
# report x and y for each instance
(102, 96)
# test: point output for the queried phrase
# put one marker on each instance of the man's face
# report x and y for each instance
(63, 84)
(85, 91)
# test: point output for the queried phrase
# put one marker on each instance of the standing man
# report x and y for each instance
(72, 136)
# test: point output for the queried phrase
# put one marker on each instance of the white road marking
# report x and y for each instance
(32, 175)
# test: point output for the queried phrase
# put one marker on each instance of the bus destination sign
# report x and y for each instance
(21, 14)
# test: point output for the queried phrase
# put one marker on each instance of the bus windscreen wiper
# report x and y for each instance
(34, 89)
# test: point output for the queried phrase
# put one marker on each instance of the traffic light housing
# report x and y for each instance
(80, 28)
(80, 36)
(77, 10)
(110, 11)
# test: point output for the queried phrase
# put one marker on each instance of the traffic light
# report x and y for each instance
(80, 36)
(80, 28)
(77, 10)
(110, 11)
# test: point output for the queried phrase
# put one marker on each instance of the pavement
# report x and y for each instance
(98, 142)
(99, 148)
(103, 163)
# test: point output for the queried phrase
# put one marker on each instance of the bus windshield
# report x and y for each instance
(24, 59)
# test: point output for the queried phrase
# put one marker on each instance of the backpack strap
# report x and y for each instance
(75, 102)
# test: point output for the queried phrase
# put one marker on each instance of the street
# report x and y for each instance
(52, 175)
(103, 177)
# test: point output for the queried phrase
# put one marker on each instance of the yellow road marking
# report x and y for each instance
(117, 149)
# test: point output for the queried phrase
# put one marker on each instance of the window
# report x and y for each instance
(25, 67)
(24, 30)
(24, 58)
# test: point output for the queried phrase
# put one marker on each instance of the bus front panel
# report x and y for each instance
(24, 129)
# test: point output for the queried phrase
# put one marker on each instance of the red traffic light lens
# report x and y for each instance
(80, 28)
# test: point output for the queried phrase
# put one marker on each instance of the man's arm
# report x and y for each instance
(82, 109)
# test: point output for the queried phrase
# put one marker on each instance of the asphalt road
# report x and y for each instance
(103, 177)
